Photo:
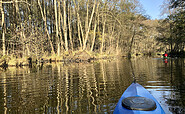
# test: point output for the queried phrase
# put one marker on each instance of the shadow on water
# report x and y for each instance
(89, 87)
(165, 80)
(177, 102)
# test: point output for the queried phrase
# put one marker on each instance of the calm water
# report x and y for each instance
(90, 87)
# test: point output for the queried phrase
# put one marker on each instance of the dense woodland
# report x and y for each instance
(58, 27)
(173, 27)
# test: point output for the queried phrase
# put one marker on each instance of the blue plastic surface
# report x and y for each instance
(136, 89)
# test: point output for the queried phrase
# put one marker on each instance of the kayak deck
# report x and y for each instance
(136, 90)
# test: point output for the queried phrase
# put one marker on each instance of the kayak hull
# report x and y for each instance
(135, 90)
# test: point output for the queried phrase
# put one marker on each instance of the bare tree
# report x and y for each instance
(65, 25)
(3, 27)
(80, 31)
(103, 31)
(88, 29)
(45, 23)
(56, 25)
(69, 24)
(95, 26)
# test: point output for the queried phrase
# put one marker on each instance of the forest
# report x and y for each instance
(59, 28)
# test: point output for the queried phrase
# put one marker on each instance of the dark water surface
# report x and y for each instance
(90, 87)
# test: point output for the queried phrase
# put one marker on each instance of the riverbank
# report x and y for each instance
(76, 57)
(72, 57)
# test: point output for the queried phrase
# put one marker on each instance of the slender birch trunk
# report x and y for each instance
(131, 42)
(103, 37)
(45, 23)
(94, 36)
(103, 33)
(117, 44)
(65, 26)
(56, 17)
(56, 23)
(111, 37)
(3, 35)
(21, 26)
(87, 32)
(95, 26)
(79, 24)
(3, 28)
(87, 17)
(60, 22)
(79, 36)
(69, 26)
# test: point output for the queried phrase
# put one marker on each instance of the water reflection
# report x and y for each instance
(90, 87)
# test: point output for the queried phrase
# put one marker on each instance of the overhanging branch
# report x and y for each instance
(11, 2)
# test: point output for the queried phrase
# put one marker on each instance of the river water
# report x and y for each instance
(90, 87)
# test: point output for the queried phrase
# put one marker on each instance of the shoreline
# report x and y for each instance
(79, 57)
(76, 57)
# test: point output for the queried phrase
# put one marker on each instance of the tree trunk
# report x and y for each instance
(103, 37)
(117, 44)
(15, 15)
(56, 23)
(65, 26)
(45, 23)
(87, 18)
(79, 35)
(87, 32)
(111, 44)
(3, 28)
(3, 35)
(60, 22)
(94, 35)
(103, 21)
(69, 26)
(131, 43)
(95, 25)
(79, 24)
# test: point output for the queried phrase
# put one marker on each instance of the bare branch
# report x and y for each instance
(10, 2)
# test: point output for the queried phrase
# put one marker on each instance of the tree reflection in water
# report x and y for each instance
(90, 87)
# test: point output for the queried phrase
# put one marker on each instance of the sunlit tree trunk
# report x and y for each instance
(79, 36)
(15, 8)
(103, 31)
(103, 36)
(3, 28)
(21, 28)
(132, 40)
(69, 25)
(3, 34)
(56, 25)
(45, 23)
(95, 26)
(87, 17)
(65, 26)
(90, 21)
(111, 37)
(59, 23)
(28, 25)
(94, 35)
(117, 44)
(78, 23)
